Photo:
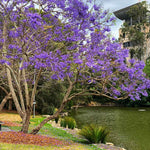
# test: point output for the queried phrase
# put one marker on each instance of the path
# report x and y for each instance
(5, 129)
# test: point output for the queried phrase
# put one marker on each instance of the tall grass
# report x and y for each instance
(94, 133)
(68, 122)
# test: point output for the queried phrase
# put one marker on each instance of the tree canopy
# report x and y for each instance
(66, 41)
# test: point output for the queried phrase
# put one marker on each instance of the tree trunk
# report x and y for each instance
(37, 129)
(10, 104)
(15, 99)
(4, 101)
(26, 120)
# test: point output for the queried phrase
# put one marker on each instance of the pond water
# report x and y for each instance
(129, 127)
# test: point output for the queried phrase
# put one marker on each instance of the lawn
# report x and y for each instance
(49, 138)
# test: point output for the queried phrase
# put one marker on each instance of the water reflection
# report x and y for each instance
(129, 127)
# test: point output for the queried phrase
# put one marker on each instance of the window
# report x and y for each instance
(126, 44)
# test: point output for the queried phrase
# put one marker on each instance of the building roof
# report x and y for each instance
(122, 14)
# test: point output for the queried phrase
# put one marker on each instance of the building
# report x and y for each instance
(132, 18)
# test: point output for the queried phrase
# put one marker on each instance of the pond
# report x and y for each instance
(129, 127)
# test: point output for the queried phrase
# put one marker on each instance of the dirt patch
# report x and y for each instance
(10, 117)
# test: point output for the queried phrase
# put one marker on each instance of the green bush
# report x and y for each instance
(68, 122)
(94, 133)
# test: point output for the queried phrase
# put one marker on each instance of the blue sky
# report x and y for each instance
(114, 5)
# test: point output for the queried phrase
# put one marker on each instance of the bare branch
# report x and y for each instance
(2, 88)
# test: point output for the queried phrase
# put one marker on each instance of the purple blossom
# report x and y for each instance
(96, 7)
(66, 37)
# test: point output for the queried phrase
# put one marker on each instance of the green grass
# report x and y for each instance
(4, 146)
(47, 129)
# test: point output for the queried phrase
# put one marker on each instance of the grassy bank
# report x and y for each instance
(47, 130)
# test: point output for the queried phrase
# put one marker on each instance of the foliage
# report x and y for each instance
(147, 67)
(103, 100)
(78, 101)
(68, 122)
(63, 123)
(47, 109)
(94, 133)
(144, 102)
(49, 95)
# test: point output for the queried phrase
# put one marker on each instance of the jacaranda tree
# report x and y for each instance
(65, 40)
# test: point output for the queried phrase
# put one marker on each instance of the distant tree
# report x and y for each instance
(136, 29)
(49, 96)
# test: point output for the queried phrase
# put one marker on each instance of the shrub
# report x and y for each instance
(68, 122)
(94, 133)
(63, 123)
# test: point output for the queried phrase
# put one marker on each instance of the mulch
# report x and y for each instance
(11, 124)
(21, 138)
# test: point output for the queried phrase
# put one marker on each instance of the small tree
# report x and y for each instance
(28, 36)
